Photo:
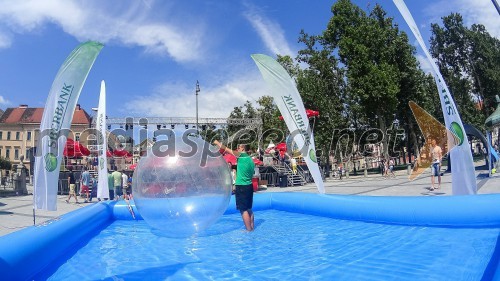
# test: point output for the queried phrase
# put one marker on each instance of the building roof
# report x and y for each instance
(25, 114)
(144, 144)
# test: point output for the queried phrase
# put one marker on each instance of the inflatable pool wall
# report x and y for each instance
(27, 252)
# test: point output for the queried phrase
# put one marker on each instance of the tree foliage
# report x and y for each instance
(321, 86)
(5, 163)
(468, 59)
(382, 72)
(273, 127)
(361, 73)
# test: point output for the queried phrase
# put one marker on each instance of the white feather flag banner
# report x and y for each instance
(463, 178)
(102, 144)
(287, 98)
(56, 122)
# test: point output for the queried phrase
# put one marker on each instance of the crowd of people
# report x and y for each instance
(119, 185)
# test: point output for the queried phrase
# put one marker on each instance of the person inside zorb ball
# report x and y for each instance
(182, 189)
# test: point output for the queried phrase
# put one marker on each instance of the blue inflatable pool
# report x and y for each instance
(32, 252)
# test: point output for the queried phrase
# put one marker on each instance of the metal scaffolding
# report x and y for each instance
(250, 122)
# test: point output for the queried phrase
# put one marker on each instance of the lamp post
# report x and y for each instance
(197, 91)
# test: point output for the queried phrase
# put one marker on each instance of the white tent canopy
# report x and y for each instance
(271, 145)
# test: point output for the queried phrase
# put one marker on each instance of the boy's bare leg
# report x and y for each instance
(247, 220)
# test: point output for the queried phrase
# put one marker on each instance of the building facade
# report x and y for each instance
(20, 126)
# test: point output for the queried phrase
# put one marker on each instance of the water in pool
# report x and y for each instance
(284, 246)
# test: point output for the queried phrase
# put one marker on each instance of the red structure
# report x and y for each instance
(310, 113)
(75, 149)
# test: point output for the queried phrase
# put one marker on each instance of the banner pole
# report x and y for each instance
(34, 212)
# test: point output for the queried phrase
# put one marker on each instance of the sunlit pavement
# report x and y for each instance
(16, 212)
(376, 185)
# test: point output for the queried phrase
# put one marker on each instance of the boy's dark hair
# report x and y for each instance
(246, 146)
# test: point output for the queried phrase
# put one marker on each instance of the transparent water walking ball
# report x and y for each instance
(182, 193)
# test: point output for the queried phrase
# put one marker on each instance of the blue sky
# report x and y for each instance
(155, 51)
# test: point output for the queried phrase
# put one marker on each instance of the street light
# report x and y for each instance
(197, 91)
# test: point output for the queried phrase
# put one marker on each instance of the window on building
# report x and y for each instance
(0, 151)
(77, 137)
(16, 154)
(8, 135)
(1, 135)
(18, 135)
(28, 136)
(7, 153)
(28, 154)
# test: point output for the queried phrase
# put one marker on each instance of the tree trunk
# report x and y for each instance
(383, 128)
(415, 141)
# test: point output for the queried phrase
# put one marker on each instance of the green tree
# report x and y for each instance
(240, 133)
(236, 113)
(416, 86)
(484, 60)
(469, 62)
(209, 133)
(367, 46)
(5, 163)
(272, 127)
(321, 86)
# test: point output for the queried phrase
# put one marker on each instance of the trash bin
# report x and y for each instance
(283, 180)
(255, 183)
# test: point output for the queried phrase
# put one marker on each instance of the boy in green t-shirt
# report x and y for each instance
(245, 169)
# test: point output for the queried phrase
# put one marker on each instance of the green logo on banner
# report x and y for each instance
(457, 130)
(50, 162)
(101, 163)
(312, 155)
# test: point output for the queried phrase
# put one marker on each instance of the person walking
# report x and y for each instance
(437, 155)
(386, 169)
(381, 166)
(72, 186)
(85, 182)
(124, 185)
(391, 167)
(117, 184)
(111, 185)
(93, 193)
(293, 161)
(245, 169)
(129, 188)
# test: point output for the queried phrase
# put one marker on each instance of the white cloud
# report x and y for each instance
(425, 65)
(483, 12)
(131, 23)
(3, 101)
(179, 100)
(5, 40)
(473, 12)
(270, 32)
